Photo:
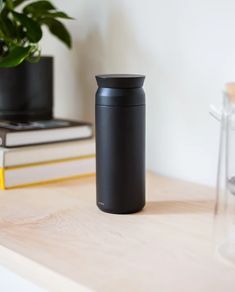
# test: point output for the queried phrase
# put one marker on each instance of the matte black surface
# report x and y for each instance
(120, 97)
(26, 91)
(120, 80)
(120, 151)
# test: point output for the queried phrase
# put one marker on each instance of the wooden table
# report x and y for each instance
(55, 236)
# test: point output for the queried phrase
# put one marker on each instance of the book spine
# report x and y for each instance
(2, 179)
(3, 136)
(2, 158)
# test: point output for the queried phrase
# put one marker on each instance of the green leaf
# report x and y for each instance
(4, 28)
(9, 4)
(59, 30)
(58, 14)
(4, 12)
(38, 7)
(33, 29)
(34, 56)
(15, 57)
(8, 27)
(12, 30)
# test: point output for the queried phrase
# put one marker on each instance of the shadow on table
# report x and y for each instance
(178, 207)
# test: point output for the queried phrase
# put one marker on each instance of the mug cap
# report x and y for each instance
(120, 80)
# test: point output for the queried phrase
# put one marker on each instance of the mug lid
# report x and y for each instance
(120, 80)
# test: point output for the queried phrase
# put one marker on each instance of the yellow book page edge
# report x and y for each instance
(2, 179)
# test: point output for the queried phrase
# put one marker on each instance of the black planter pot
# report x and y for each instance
(26, 91)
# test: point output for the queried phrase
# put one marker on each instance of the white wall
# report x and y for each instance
(186, 48)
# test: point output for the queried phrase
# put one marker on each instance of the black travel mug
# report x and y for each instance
(120, 143)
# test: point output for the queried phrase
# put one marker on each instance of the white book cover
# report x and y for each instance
(12, 157)
(13, 134)
(44, 173)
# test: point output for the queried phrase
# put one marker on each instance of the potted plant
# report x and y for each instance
(26, 78)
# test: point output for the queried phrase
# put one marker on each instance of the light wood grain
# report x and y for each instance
(56, 232)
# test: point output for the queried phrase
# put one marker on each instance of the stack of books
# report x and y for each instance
(45, 151)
